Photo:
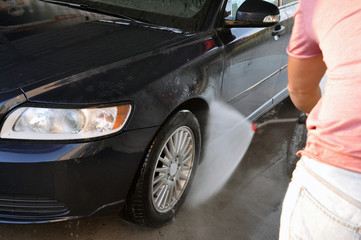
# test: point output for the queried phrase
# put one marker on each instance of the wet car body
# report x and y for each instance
(72, 58)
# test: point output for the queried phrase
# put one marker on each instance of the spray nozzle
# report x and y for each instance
(300, 119)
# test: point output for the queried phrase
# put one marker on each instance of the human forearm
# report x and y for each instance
(304, 76)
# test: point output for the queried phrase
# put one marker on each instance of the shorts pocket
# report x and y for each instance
(311, 220)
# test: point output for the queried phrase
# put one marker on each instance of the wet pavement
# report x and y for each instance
(248, 207)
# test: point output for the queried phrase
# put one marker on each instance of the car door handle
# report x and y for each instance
(279, 30)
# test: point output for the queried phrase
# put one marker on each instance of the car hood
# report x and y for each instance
(46, 41)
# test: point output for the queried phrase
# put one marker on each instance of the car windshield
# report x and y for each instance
(183, 14)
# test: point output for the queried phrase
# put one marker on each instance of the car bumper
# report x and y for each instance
(49, 182)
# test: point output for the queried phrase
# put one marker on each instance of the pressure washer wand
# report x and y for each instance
(300, 119)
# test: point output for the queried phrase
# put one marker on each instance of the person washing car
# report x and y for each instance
(323, 200)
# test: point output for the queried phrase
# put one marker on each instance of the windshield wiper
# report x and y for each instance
(94, 10)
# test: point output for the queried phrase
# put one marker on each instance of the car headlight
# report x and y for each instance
(64, 124)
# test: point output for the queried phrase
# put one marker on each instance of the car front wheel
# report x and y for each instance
(167, 172)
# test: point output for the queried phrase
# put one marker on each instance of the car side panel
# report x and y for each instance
(252, 63)
(286, 21)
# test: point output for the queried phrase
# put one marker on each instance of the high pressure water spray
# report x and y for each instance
(229, 135)
(300, 119)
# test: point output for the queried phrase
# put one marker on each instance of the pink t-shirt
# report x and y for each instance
(333, 28)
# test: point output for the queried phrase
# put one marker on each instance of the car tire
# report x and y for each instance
(298, 142)
(166, 173)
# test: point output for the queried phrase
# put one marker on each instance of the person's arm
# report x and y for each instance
(304, 76)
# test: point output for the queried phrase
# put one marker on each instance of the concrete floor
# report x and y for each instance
(247, 208)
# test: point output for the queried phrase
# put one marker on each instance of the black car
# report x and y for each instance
(103, 103)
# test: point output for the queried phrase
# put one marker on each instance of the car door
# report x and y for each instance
(287, 10)
(253, 59)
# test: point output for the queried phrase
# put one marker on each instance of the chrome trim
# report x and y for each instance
(256, 85)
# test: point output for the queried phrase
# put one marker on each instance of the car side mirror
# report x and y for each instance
(255, 13)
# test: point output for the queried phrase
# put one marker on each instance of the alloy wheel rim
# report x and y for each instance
(173, 169)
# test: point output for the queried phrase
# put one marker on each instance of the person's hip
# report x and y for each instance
(321, 203)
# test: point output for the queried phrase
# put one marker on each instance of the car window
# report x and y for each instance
(233, 5)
